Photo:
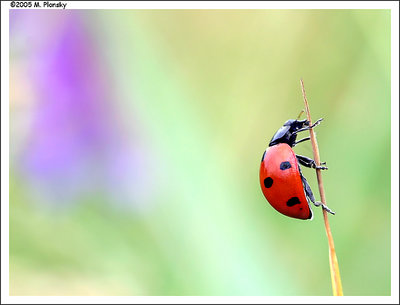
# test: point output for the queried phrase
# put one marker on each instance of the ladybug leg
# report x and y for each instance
(302, 140)
(307, 189)
(310, 162)
(310, 195)
(317, 122)
(317, 204)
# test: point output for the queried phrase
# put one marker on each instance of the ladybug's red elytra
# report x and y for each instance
(282, 182)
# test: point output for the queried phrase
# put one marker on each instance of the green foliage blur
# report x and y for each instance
(208, 89)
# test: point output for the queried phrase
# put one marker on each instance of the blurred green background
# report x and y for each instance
(136, 138)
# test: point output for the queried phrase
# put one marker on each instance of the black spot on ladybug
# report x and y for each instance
(292, 201)
(285, 165)
(268, 182)
(262, 159)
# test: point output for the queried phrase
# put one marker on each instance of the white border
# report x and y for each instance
(395, 152)
(230, 4)
(203, 300)
(223, 4)
(394, 298)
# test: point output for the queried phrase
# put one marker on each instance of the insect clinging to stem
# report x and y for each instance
(281, 179)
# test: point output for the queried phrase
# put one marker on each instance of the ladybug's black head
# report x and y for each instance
(288, 132)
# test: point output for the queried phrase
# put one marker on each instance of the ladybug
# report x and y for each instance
(282, 182)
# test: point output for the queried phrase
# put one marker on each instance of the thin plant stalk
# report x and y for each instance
(333, 262)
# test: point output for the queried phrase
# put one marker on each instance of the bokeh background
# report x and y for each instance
(136, 138)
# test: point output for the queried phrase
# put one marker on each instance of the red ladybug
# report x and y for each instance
(281, 179)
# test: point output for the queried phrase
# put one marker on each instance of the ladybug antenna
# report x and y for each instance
(301, 112)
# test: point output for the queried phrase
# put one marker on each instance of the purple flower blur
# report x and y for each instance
(75, 145)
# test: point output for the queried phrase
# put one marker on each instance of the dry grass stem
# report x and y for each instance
(334, 266)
